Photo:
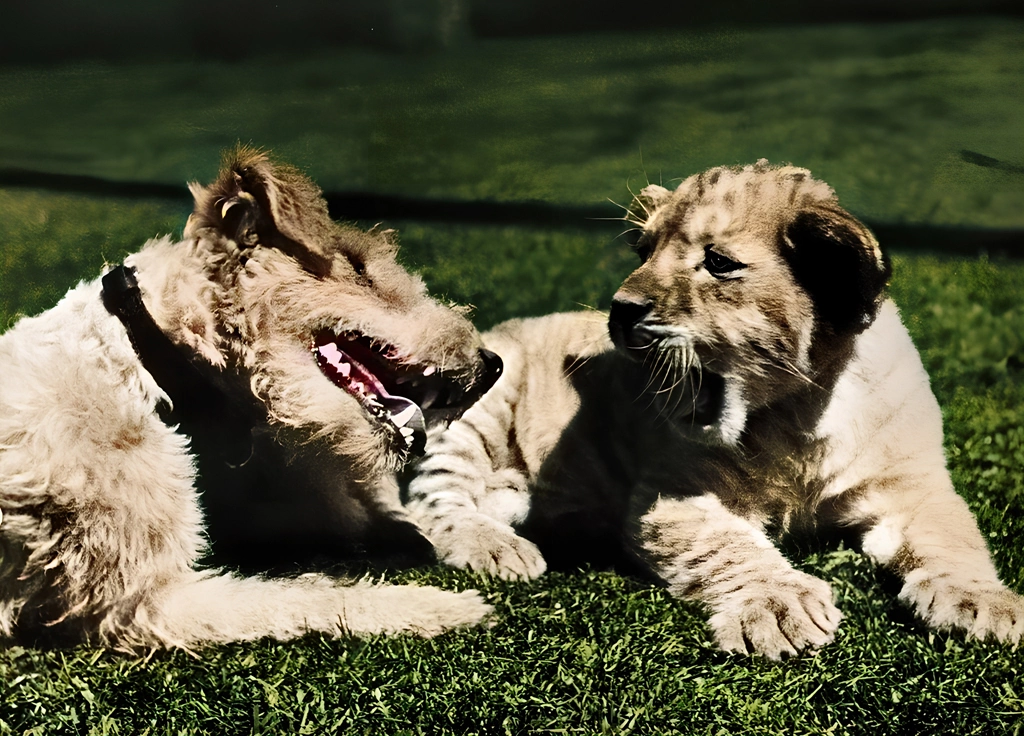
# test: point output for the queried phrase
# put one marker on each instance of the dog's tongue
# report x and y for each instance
(408, 417)
(401, 412)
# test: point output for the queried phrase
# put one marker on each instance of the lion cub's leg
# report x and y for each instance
(466, 502)
(928, 536)
(758, 601)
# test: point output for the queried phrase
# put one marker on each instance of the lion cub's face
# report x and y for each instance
(753, 279)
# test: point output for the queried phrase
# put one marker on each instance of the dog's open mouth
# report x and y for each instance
(394, 392)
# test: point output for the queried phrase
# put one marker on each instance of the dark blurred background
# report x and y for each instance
(501, 137)
(127, 29)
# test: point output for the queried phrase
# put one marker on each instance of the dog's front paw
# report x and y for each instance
(483, 544)
(777, 618)
(981, 608)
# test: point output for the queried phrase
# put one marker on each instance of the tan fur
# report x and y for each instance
(762, 383)
(102, 526)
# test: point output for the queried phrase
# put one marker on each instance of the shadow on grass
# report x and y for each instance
(952, 240)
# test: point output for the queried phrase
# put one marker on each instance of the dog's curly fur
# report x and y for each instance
(762, 383)
(102, 526)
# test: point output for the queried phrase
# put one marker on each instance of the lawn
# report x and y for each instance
(915, 122)
(885, 113)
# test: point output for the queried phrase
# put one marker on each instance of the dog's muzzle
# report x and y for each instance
(401, 395)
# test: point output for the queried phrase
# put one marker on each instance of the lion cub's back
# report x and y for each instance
(576, 334)
(539, 355)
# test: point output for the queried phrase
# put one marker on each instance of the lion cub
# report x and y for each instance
(755, 379)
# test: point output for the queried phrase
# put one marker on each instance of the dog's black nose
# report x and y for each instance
(626, 313)
(453, 393)
(492, 369)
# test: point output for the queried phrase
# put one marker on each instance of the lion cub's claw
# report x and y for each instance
(779, 619)
(982, 609)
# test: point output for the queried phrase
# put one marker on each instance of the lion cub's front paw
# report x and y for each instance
(778, 618)
(483, 544)
(981, 608)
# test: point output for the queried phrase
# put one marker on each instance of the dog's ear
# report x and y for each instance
(257, 202)
(837, 260)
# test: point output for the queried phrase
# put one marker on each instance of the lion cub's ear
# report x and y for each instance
(651, 197)
(257, 202)
(837, 260)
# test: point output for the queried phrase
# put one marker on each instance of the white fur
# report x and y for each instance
(884, 540)
(734, 415)
(882, 412)
(754, 594)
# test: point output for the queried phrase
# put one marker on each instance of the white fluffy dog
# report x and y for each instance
(292, 361)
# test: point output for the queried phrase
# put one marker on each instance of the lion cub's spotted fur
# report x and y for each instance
(761, 381)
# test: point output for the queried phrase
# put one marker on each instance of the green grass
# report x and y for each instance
(48, 242)
(591, 652)
(882, 112)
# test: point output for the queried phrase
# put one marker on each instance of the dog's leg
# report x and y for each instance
(466, 499)
(207, 608)
(758, 601)
(927, 535)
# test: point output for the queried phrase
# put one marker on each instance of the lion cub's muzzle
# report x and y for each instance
(681, 387)
(625, 324)
(401, 395)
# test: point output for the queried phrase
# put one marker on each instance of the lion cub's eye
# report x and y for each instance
(719, 265)
(644, 246)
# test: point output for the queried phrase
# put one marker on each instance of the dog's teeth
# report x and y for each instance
(344, 369)
(429, 370)
(227, 205)
(402, 418)
(407, 433)
(330, 352)
(429, 399)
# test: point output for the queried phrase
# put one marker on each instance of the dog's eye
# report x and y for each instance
(719, 265)
(357, 265)
(644, 246)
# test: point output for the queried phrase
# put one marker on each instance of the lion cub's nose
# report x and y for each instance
(627, 312)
